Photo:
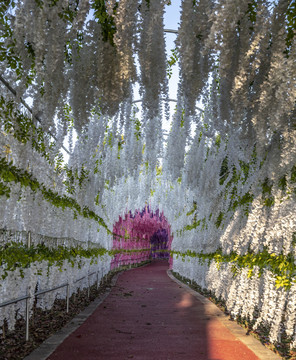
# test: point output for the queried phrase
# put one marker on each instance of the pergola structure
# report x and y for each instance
(222, 177)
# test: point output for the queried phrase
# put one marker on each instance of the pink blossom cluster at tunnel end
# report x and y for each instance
(147, 232)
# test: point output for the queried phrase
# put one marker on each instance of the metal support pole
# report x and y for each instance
(29, 239)
(88, 288)
(97, 280)
(27, 314)
(67, 297)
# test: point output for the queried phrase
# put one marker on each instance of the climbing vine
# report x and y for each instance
(16, 255)
(10, 173)
(282, 266)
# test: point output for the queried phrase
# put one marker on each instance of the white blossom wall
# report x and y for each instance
(45, 276)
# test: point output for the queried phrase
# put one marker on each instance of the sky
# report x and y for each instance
(171, 21)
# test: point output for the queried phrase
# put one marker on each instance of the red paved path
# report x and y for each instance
(148, 316)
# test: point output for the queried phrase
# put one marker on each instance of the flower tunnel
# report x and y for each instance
(118, 145)
(141, 236)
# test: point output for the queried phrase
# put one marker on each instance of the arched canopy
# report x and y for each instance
(144, 235)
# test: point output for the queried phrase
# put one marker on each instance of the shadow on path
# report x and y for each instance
(149, 316)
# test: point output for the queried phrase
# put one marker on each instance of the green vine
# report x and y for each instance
(267, 198)
(10, 173)
(240, 201)
(172, 61)
(107, 22)
(15, 255)
(282, 266)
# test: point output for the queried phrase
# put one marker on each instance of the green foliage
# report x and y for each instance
(7, 42)
(231, 190)
(4, 190)
(138, 128)
(293, 175)
(59, 163)
(22, 128)
(193, 209)
(69, 13)
(218, 141)
(290, 26)
(283, 183)
(172, 61)
(237, 201)
(69, 182)
(67, 115)
(266, 187)
(158, 170)
(219, 219)
(15, 255)
(267, 198)
(182, 118)
(98, 163)
(194, 225)
(235, 177)
(252, 13)
(282, 266)
(245, 201)
(10, 173)
(245, 167)
(294, 239)
(120, 146)
(107, 22)
(224, 171)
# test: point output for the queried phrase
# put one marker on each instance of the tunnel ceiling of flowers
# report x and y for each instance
(95, 165)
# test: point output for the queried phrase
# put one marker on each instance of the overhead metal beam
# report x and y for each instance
(172, 100)
(171, 31)
(140, 100)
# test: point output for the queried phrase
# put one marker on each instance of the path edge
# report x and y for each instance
(50, 344)
(251, 342)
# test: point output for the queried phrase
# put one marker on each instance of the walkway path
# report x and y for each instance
(149, 316)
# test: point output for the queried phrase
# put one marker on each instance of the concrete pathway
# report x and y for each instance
(148, 315)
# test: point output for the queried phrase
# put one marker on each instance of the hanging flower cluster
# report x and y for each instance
(83, 53)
